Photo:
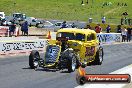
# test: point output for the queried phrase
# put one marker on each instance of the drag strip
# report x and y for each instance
(15, 72)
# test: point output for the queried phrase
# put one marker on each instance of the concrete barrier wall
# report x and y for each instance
(19, 45)
(4, 30)
(109, 37)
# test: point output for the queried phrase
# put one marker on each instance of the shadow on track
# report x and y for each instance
(26, 68)
(47, 70)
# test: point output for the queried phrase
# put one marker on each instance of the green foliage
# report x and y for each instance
(69, 9)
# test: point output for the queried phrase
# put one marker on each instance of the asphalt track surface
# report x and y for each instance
(15, 72)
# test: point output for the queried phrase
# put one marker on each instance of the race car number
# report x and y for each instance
(90, 51)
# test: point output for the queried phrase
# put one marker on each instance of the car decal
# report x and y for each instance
(90, 51)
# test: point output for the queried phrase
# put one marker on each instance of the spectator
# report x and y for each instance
(64, 25)
(118, 4)
(125, 13)
(125, 20)
(98, 29)
(0, 21)
(88, 27)
(73, 25)
(12, 28)
(104, 3)
(25, 28)
(12, 20)
(4, 23)
(103, 20)
(119, 29)
(110, 3)
(129, 34)
(108, 29)
(122, 19)
(87, 1)
(124, 34)
(129, 21)
(22, 28)
(82, 3)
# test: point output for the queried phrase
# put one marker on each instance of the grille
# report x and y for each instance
(51, 54)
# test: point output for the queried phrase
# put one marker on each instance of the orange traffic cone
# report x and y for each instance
(49, 35)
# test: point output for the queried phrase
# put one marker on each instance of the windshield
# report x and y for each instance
(1, 15)
(70, 36)
(47, 23)
(18, 15)
(58, 24)
(80, 37)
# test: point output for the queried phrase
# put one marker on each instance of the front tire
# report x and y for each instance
(71, 62)
(34, 58)
(69, 59)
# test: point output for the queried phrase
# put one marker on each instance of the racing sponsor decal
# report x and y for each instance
(82, 77)
(90, 51)
(22, 46)
(117, 38)
(109, 37)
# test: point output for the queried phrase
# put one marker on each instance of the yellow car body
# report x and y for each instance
(83, 41)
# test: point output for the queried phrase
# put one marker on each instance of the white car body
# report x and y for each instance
(46, 24)
(18, 17)
(32, 21)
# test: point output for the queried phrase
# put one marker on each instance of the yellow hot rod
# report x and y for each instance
(72, 48)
